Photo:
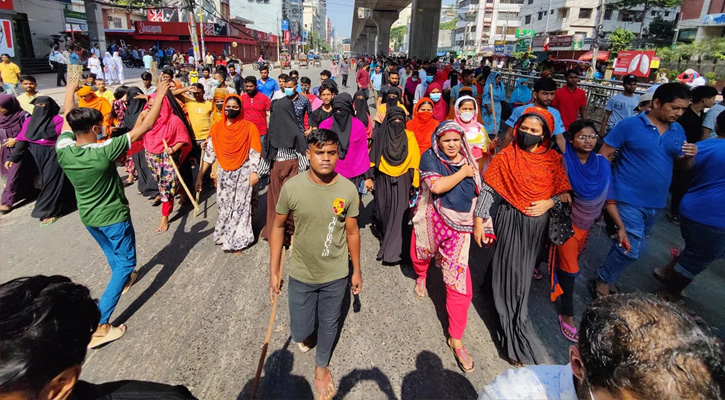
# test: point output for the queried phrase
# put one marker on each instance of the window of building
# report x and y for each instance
(531, 1)
(585, 13)
(653, 13)
(630, 16)
(541, 15)
(527, 19)
(511, 30)
(608, 14)
(546, 12)
(563, 13)
(667, 13)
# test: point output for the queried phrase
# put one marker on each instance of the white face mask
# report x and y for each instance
(467, 116)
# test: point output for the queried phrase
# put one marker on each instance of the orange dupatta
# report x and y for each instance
(232, 141)
(98, 103)
(216, 114)
(423, 125)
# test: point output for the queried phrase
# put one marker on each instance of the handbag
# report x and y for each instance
(560, 228)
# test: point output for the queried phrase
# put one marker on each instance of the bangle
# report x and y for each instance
(556, 199)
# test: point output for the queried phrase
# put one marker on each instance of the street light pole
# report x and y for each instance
(595, 49)
(279, 38)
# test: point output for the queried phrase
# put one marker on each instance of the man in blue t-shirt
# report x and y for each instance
(649, 144)
(620, 106)
(544, 90)
(265, 85)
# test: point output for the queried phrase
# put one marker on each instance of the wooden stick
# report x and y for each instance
(183, 184)
(265, 346)
(493, 111)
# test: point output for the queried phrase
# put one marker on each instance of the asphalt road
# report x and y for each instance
(198, 316)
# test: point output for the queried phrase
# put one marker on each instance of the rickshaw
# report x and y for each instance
(317, 62)
(285, 59)
(302, 58)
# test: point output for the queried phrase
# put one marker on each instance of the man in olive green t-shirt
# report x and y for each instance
(325, 207)
(102, 204)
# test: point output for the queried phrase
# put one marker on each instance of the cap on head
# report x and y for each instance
(629, 79)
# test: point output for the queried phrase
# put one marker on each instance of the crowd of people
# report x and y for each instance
(527, 175)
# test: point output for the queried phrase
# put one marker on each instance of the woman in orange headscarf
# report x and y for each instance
(219, 96)
(423, 124)
(233, 142)
(88, 98)
(527, 179)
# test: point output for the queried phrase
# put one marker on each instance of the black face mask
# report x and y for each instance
(231, 113)
(219, 106)
(526, 140)
(391, 101)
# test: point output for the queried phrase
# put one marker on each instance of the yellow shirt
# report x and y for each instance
(9, 72)
(24, 101)
(108, 95)
(411, 161)
(199, 117)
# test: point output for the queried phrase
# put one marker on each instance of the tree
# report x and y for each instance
(659, 28)
(397, 35)
(647, 5)
(619, 40)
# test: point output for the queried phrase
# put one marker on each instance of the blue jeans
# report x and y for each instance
(703, 245)
(638, 222)
(118, 242)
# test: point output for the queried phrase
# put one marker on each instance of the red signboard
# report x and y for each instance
(635, 62)
(6, 4)
(286, 37)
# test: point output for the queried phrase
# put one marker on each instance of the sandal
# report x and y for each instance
(461, 354)
(420, 287)
(568, 331)
(115, 333)
(48, 221)
(5, 209)
(325, 386)
(131, 280)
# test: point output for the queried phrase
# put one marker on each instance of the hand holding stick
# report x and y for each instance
(183, 184)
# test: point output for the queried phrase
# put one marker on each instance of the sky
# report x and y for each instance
(340, 13)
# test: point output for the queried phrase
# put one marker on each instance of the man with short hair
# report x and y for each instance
(621, 105)
(209, 60)
(265, 85)
(199, 110)
(570, 101)
(9, 74)
(324, 75)
(281, 80)
(423, 86)
(325, 206)
(708, 123)
(544, 90)
(256, 106)
(44, 322)
(102, 204)
(148, 60)
(220, 82)
(631, 346)
(649, 145)
(59, 62)
(29, 85)
(344, 71)
(362, 78)
(235, 78)
(148, 86)
(103, 92)
(466, 80)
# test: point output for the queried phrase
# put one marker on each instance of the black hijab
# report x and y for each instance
(133, 108)
(361, 107)
(41, 125)
(342, 120)
(390, 140)
(179, 112)
(283, 132)
(392, 90)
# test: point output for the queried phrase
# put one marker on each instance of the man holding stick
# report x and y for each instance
(102, 204)
(325, 207)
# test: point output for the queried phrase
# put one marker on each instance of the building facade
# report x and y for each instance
(264, 14)
(483, 24)
(701, 20)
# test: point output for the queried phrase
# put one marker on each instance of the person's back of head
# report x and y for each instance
(703, 92)
(644, 347)
(46, 323)
(720, 124)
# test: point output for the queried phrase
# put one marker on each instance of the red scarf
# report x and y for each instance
(440, 109)
(422, 125)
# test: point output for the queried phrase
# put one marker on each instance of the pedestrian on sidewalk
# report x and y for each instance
(59, 62)
(94, 65)
(118, 61)
(17, 175)
(620, 106)
(9, 74)
(29, 85)
(325, 207)
(344, 71)
(102, 204)
(443, 224)
(570, 100)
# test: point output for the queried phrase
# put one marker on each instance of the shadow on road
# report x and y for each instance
(431, 381)
(348, 382)
(170, 258)
(278, 381)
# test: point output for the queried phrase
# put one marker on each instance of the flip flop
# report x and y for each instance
(419, 284)
(113, 334)
(461, 353)
(131, 280)
(568, 331)
(325, 385)
(303, 348)
(5, 209)
(50, 221)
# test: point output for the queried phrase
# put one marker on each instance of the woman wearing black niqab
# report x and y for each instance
(147, 185)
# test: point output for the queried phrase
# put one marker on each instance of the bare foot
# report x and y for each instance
(164, 225)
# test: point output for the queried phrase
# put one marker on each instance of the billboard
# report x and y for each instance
(635, 62)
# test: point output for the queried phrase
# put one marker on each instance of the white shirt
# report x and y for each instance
(540, 382)
(420, 91)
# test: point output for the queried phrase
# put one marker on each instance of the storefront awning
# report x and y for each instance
(124, 31)
(226, 39)
(602, 55)
(164, 38)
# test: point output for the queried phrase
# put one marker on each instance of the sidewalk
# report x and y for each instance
(47, 84)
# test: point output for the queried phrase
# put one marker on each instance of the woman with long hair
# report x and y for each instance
(525, 181)
(18, 180)
(423, 124)
(466, 116)
(395, 157)
(234, 142)
(38, 136)
(443, 224)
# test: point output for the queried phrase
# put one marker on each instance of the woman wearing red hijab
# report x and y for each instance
(423, 124)
(527, 180)
(440, 107)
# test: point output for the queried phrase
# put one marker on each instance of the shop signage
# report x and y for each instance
(714, 19)
(578, 42)
(74, 17)
(499, 49)
(286, 37)
(285, 25)
(6, 41)
(635, 62)
(178, 28)
(525, 33)
(163, 15)
(560, 41)
(6, 4)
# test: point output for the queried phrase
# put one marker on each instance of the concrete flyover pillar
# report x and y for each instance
(384, 19)
(371, 33)
(361, 44)
(425, 19)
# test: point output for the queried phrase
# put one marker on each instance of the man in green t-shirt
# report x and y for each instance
(325, 207)
(102, 204)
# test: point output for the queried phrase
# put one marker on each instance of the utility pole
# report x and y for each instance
(94, 16)
(189, 6)
(201, 23)
(597, 27)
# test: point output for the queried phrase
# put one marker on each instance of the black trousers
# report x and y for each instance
(60, 70)
(344, 80)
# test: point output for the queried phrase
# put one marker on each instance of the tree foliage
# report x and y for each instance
(448, 26)
(620, 39)
(648, 4)
(660, 28)
(713, 49)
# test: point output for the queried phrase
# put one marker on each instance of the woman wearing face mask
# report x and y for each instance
(234, 142)
(440, 107)
(360, 105)
(493, 82)
(525, 181)
(391, 98)
(171, 128)
(218, 113)
(410, 85)
(353, 162)
(395, 157)
(19, 174)
(423, 124)
(466, 115)
(38, 135)
(443, 224)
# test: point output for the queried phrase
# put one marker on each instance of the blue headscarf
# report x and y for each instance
(590, 179)
(522, 93)
(435, 162)
(499, 91)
